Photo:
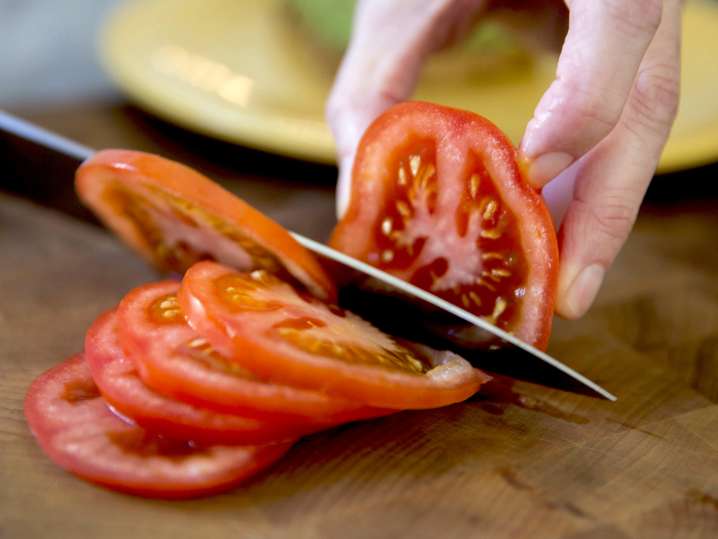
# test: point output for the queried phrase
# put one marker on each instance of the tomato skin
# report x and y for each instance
(121, 386)
(80, 434)
(460, 140)
(153, 177)
(159, 351)
(244, 338)
(539, 241)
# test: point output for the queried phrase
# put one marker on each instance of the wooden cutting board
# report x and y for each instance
(519, 460)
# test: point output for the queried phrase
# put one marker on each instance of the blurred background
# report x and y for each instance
(49, 54)
(236, 88)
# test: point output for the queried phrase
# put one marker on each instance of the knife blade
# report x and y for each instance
(42, 165)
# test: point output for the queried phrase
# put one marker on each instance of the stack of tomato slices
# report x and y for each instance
(189, 387)
(153, 407)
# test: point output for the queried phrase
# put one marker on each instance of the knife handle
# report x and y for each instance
(40, 165)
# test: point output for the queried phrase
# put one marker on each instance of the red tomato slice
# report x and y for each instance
(438, 199)
(267, 327)
(74, 427)
(121, 387)
(174, 360)
(174, 216)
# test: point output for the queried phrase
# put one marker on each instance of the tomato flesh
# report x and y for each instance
(174, 360)
(174, 216)
(269, 328)
(439, 200)
(75, 428)
(472, 262)
(116, 376)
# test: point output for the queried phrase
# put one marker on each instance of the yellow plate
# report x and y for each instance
(239, 70)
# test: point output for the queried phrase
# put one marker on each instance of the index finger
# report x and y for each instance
(603, 50)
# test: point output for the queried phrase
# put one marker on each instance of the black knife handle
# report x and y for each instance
(40, 165)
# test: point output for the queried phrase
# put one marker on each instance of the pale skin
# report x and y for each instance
(595, 137)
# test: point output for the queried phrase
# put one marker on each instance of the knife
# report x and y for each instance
(41, 166)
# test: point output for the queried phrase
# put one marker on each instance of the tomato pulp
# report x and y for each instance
(439, 199)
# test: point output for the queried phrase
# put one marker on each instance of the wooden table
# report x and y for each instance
(519, 460)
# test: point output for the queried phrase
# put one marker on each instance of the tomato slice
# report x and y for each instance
(438, 199)
(121, 387)
(174, 360)
(77, 431)
(268, 328)
(174, 216)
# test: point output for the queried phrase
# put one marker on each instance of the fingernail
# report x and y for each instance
(582, 291)
(547, 166)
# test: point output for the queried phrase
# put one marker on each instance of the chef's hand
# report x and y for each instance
(596, 134)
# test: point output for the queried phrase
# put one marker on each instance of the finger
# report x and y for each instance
(389, 43)
(611, 180)
(605, 44)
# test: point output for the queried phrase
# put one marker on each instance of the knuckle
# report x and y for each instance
(586, 107)
(633, 16)
(655, 98)
(611, 219)
(387, 96)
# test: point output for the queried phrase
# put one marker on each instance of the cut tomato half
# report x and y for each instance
(174, 360)
(264, 325)
(77, 431)
(174, 216)
(438, 199)
(121, 387)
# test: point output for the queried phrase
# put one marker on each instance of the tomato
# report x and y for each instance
(74, 427)
(174, 216)
(121, 387)
(269, 328)
(174, 360)
(439, 199)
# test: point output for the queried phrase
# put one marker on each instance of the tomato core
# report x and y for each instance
(483, 271)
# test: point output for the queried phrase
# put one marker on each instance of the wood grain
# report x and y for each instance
(519, 459)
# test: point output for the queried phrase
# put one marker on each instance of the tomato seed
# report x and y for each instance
(403, 208)
(474, 185)
(169, 303)
(492, 256)
(491, 233)
(414, 164)
(500, 273)
(499, 308)
(490, 210)
(387, 225)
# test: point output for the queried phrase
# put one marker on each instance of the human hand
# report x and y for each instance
(596, 135)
